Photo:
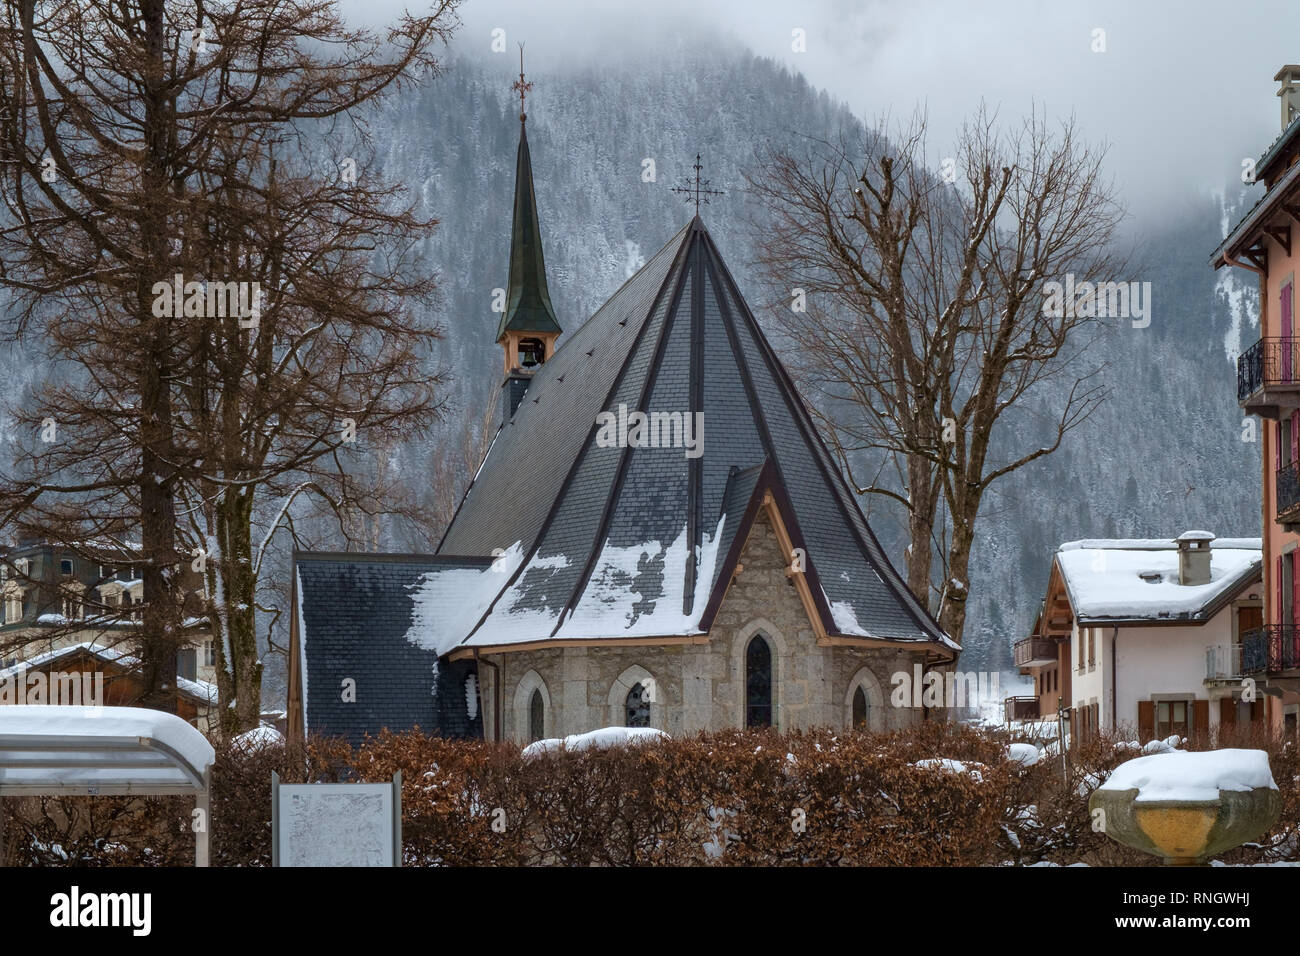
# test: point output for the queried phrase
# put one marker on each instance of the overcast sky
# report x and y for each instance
(1183, 91)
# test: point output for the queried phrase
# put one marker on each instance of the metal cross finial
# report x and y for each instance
(697, 190)
(521, 86)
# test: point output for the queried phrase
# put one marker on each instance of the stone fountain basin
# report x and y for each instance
(1186, 831)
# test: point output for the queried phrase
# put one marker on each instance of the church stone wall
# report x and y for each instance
(701, 686)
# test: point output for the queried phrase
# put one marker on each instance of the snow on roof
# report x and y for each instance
(201, 689)
(1196, 536)
(846, 621)
(110, 743)
(449, 602)
(611, 606)
(1138, 579)
(1188, 775)
(1158, 544)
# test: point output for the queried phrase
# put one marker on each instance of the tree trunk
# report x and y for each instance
(161, 614)
(239, 671)
(923, 496)
(952, 612)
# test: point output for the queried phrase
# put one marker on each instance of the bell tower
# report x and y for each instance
(528, 328)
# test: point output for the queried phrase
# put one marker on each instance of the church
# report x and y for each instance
(658, 537)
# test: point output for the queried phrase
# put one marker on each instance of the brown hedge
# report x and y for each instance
(745, 798)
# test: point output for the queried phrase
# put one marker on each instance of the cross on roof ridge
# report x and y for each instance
(696, 190)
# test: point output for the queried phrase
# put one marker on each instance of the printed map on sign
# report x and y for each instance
(342, 824)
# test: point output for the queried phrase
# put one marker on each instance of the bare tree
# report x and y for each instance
(925, 323)
(138, 143)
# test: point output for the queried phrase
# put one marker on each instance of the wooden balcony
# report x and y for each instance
(1020, 708)
(1268, 377)
(1035, 652)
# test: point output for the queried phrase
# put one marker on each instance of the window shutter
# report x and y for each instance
(1277, 590)
(1227, 712)
(1200, 717)
(1291, 452)
(1295, 591)
(1277, 445)
(1146, 720)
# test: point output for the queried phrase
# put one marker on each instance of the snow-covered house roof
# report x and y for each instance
(200, 691)
(1137, 580)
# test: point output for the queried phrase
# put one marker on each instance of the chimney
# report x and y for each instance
(1194, 557)
(1289, 92)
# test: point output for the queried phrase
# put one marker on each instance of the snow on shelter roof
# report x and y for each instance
(1137, 579)
(47, 749)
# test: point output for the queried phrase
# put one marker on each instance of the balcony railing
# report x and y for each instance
(1270, 649)
(1288, 489)
(1223, 662)
(1021, 708)
(1035, 652)
(1270, 361)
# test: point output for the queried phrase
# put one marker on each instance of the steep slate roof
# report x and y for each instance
(632, 542)
(528, 301)
(354, 611)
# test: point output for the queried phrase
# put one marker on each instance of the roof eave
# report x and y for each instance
(1246, 232)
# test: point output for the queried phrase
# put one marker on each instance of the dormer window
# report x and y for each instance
(532, 352)
(65, 567)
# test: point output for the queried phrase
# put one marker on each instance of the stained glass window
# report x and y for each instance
(758, 684)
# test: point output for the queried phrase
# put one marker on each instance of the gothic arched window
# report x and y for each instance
(758, 683)
(859, 709)
(536, 716)
(638, 707)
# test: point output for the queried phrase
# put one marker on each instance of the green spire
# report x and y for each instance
(528, 303)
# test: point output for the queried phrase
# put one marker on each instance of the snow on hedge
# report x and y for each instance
(1024, 754)
(596, 739)
(949, 765)
(1184, 775)
(257, 738)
